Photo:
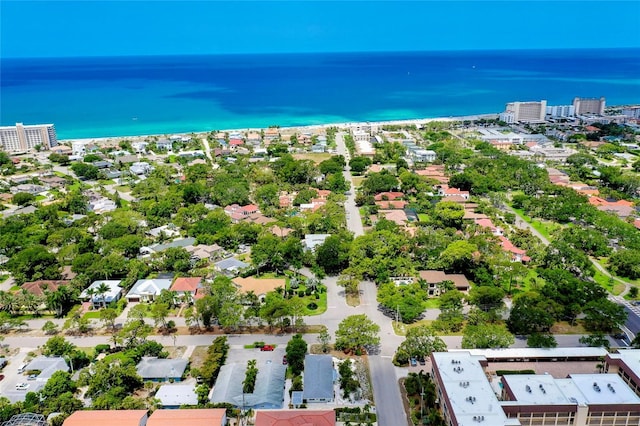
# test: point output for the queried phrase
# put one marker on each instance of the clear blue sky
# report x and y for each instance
(94, 28)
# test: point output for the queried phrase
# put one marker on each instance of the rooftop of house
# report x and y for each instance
(259, 286)
(160, 368)
(318, 377)
(106, 418)
(39, 287)
(295, 418)
(177, 395)
(190, 284)
(191, 417)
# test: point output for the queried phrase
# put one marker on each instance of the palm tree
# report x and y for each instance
(101, 291)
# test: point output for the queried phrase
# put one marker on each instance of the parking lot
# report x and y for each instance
(262, 357)
(12, 379)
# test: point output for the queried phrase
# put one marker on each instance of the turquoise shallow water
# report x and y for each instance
(95, 97)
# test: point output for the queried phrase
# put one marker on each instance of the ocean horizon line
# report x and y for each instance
(346, 52)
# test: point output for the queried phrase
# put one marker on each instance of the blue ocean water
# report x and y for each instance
(95, 97)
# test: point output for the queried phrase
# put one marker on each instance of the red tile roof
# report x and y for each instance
(106, 418)
(190, 284)
(195, 417)
(295, 418)
(384, 196)
(38, 287)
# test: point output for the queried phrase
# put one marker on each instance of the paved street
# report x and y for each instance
(384, 375)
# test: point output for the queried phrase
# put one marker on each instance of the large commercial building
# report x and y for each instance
(23, 138)
(589, 106)
(467, 396)
(524, 112)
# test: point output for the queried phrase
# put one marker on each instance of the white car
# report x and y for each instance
(22, 386)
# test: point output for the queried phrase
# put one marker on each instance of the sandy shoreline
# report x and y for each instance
(415, 121)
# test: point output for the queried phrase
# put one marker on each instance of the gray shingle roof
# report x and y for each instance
(47, 366)
(158, 368)
(318, 377)
(269, 390)
(231, 263)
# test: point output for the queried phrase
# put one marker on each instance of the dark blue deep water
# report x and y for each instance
(93, 97)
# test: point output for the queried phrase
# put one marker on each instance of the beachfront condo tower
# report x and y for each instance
(524, 112)
(589, 106)
(24, 138)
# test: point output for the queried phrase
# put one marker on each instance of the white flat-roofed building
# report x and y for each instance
(23, 138)
(561, 111)
(580, 399)
(361, 135)
(465, 395)
(632, 112)
(532, 354)
(626, 363)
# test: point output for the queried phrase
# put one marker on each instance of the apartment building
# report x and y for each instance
(23, 138)
(589, 105)
(469, 395)
(524, 112)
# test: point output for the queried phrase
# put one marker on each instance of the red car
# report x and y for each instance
(267, 348)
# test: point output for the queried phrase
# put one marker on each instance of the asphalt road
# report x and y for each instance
(384, 375)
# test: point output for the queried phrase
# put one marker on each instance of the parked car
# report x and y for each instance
(267, 348)
(32, 377)
(22, 386)
(413, 362)
(422, 361)
(1, 377)
(284, 360)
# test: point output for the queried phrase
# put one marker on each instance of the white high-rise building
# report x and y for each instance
(589, 105)
(561, 111)
(524, 112)
(23, 138)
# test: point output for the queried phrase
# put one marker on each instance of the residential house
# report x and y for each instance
(280, 232)
(147, 290)
(318, 379)
(164, 145)
(487, 223)
(169, 231)
(174, 396)
(187, 287)
(620, 208)
(140, 168)
(102, 164)
(446, 192)
(269, 387)
(398, 216)
(101, 205)
(159, 248)
(29, 188)
(271, 134)
(238, 213)
(389, 196)
(191, 417)
(311, 241)
(295, 418)
(259, 287)
(113, 293)
(39, 288)
(231, 266)
(205, 252)
(127, 159)
(161, 370)
(517, 255)
(46, 365)
(434, 279)
(107, 418)
(54, 181)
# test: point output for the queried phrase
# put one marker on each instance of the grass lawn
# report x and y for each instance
(432, 303)
(3, 278)
(542, 226)
(423, 217)
(321, 302)
(106, 181)
(123, 188)
(315, 157)
(564, 327)
(40, 198)
(14, 287)
(92, 315)
(357, 181)
(401, 329)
